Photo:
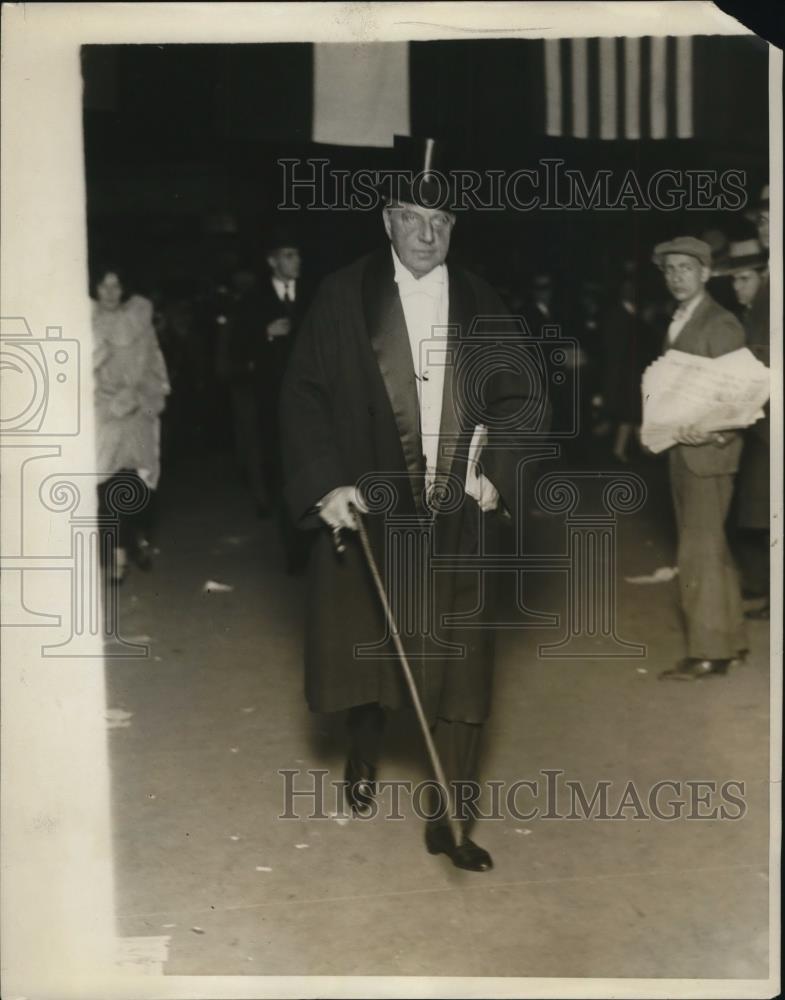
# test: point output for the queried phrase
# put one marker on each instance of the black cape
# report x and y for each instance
(350, 416)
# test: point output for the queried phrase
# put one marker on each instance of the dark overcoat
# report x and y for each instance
(754, 472)
(350, 416)
(249, 354)
(628, 348)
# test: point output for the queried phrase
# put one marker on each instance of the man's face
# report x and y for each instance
(746, 285)
(421, 236)
(685, 276)
(285, 263)
(762, 223)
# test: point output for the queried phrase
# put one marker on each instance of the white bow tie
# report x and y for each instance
(431, 284)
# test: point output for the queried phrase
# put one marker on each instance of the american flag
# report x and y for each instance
(619, 88)
(501, 99)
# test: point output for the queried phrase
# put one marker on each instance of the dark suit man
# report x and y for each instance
(256, 348)
(702, 470)
(747, 266)
(376, 418)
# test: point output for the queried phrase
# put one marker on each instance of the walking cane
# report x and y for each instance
(407, 672)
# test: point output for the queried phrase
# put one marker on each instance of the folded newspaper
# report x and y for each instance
(705, 394)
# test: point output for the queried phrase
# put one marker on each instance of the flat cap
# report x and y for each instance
(683, 244)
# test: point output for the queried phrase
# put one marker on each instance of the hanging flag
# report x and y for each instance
(619, 88)
(496, 97)
(361, 93)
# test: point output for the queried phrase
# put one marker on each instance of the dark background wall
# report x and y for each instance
(182, 140)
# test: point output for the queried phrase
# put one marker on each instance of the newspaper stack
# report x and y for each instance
(705, 394)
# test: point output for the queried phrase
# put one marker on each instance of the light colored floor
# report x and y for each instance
(217, 710)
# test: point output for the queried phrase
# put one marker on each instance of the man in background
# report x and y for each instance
(702, 470)
(747, 266)
(256, 348)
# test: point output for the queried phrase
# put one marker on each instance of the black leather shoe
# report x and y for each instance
(761, 614)
(360, 786)
(693, 669)
(466, 855)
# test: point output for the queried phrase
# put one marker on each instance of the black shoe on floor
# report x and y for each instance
(762, 614)
(360, 786)
(693, 669)
(466, 855)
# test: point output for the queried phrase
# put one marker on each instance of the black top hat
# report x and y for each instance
(422, 174)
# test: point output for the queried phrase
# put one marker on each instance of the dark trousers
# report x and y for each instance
(458, 747)
(753, 550)
(128, 526)
(248, 438)
(708, 579)
(257, 447)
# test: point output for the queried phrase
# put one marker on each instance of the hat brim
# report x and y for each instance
(436, 193)
(659, 258)
(753, 262)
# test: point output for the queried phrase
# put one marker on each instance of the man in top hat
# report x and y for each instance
(746, 264)
(258, 342)
(702, 470)
(379, 414)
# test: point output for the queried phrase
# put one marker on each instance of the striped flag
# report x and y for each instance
(619, 88)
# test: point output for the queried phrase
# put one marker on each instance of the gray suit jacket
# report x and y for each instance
(710, 332)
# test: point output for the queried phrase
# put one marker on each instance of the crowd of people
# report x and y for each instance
(332, 389)
(215, 353)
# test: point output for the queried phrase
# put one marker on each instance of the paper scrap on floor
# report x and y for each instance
(662, 575)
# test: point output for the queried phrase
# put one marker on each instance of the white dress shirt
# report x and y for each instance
(682, 316)
(285, 290)
(426, 302)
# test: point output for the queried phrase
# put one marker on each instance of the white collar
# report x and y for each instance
(684, 312)
(430, 283)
